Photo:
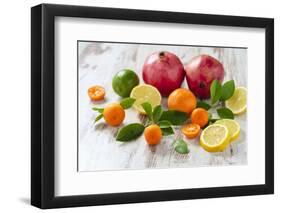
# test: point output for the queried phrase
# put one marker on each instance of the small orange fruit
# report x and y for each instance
(200, 116)
(182, 100)
(153, 134)
(114, 114)
(96, 93)
(191, 130)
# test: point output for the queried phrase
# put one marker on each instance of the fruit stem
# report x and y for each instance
(162, 57)
(161, 54)
(218, 103)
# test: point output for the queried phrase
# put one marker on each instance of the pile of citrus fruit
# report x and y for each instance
(183, 108)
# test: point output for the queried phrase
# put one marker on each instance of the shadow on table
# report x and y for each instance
(25, 200)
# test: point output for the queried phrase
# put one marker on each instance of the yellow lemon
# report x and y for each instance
(238, 102)
(215, 138)
(145, 93)
(232, 126)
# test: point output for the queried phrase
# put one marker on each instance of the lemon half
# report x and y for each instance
(215, 138)
(238, 102)
(232, 126)
(145, 93)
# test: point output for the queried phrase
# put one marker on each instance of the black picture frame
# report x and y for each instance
(43, 102)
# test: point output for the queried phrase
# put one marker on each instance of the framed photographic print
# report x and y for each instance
(139, 106)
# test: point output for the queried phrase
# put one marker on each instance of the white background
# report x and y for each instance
(15, 106)
(70, 182)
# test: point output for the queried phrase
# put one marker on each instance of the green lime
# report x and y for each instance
(124, 81)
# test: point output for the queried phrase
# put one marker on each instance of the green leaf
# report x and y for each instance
(127, 103)
(157, 112)
(164, 124)
(181, 147)
(203, 104)
(130, 132)
(211, 121)
(148, 109)
(100, 116)
(225, 113)
(167, 131)
(210, 116)
(214, 119)
(175, 117)
(100, 110)
(227, 90)
(215, 91)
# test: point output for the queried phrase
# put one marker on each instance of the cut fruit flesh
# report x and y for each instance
(232, 126)
(215, 138)
(145, 93)
(238, 102)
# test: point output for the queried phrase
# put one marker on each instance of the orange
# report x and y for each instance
(96, 93)
(153, 134)
(200, 116)
(182, 100)
(114, 114)
(191, 130)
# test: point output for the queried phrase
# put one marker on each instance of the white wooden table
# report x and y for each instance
(98, 149)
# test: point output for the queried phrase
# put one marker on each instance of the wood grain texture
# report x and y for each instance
(98, 149)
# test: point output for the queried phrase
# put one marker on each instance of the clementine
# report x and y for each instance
(182, 100)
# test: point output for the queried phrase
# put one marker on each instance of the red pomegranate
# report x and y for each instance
(164, 71)
(200, 72)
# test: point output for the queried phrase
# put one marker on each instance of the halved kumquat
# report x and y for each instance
(96, 93)
(191, 130)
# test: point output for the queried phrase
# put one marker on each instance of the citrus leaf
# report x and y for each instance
(127, 103)
(130, 132)
(100, 110)
(215, 91)
(213, 120)
(167, 131)
(181, 147)
(203, 104)
(148, 109)
(227, 90)
(210, 116)
(100, 116)
(225, 113)
(157, 112)
(164, 124)
(175, 117)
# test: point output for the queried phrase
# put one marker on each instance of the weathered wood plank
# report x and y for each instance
(98, 149)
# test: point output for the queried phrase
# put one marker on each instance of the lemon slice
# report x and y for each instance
(238, 102)
(232, 126)
(215, 138)
(145, 93)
